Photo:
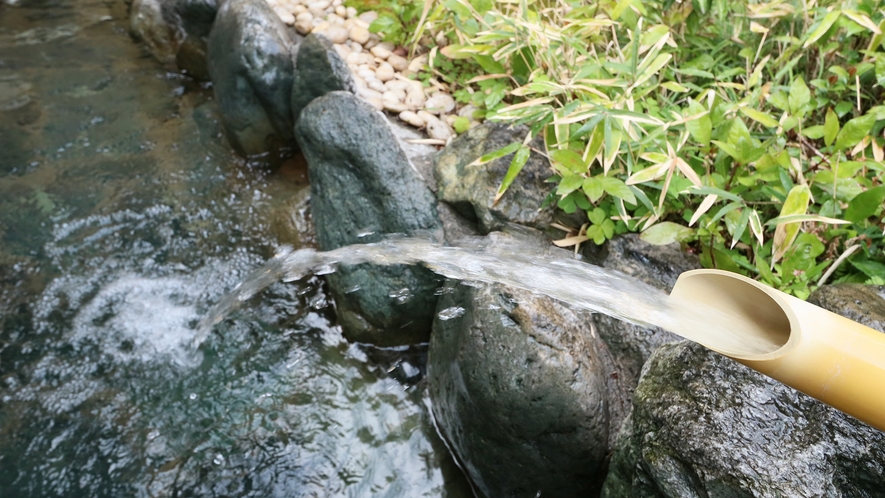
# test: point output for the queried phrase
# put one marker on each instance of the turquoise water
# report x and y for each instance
(123, 219)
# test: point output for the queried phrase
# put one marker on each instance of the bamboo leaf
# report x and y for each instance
(824, 26)
(519, 160)
(705, 206)
(760, 117)
(785, 232)
(497, 154)
(665, 233)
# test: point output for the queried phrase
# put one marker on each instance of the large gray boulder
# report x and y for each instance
(364, 186)
(471, 189)
(318, 70)
(706, 426)
(251, 64)
(175, 31)
(519, 391)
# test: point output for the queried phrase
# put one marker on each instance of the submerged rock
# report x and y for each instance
(704, 425)
(519, 392)
(471, 189)
(175, 31)
(363, 186)
(318, 70)
(250, 61)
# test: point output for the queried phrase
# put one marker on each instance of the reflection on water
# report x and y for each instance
(123, 217)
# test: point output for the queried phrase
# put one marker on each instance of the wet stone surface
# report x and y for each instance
(124, 216)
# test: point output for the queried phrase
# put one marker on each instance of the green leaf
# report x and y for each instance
(785, 233)
(597, 216)
(459, 9)
(519, 160)
(800, 97)
(869, 268)
(741, 226)
(570, 159)
(665, 233)
(593, 188)
(854, 131)
(865, 204)
(569, 184)
(461, 124)
(831, 127)
(701, 129)
(497, 154)
(482, 6)
(659, 62)
(814, 132)
(760, 117)
(618, 189)
(823, 27)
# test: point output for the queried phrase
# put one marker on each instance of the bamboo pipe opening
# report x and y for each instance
(753, 314)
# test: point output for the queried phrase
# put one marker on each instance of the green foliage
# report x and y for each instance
(752, 132)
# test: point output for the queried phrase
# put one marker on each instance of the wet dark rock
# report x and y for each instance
(659, 266)
(471, 189)
(519, 392)
(251, 64)
(706, 426)
(363, 186)
(175, 31)
(864, 304)
(318, 70)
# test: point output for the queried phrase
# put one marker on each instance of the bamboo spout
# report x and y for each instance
(831, 358)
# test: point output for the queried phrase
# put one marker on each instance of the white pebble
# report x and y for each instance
(366, 74)
(368, 93)
(360, 83)
(341, 11)
(397, 95)
(304, 17)
(426, 116)
(368, 17)
(415, 96)
(359, 34)
(303, 27)
(418, 63)
(285, 16)
(411, 118)
(319, 4)
(377, 86)
(467, 111)
(398, 85)
(380, 51)
(394, 106)
(337, 3)
(449, 119)
(376, 103)
(440, 103)
(351, 12)
(385, 72)
(398, 62)
(439, 130)
(343, 50)
(298, 9)
(336, 34)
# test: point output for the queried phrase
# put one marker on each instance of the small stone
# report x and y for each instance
(426, 116)
(319, 4)
(380, 51)
(336, 34)
(373, 40)
(355, 47)
(398, 85)
(399, 63)
(411, 118)
(449, 119)
(298, 9)
(359, 34)
(439, 130)
(368, 17)
(415, 96)
(321, 27)
(440, 103)
(368, 93)
(377, 86)
(343, 50)
(304, 17)
(303, 27)
(341, 11)
(366, 74)
(351, 12)
(397, 95)
(285, 16)
(376, 103)
(360, 83)
(385, 72)
(401, 51)
(335, 20)
(394, 106)
(337, 3)
(467, 111)
(418, 63)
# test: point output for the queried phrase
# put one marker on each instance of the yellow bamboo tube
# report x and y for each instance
(824, 355)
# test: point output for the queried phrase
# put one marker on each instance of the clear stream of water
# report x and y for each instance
(123, 220)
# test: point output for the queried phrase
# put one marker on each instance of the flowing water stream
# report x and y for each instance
(123, 219)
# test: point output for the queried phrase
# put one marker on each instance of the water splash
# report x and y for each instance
(517, 265)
